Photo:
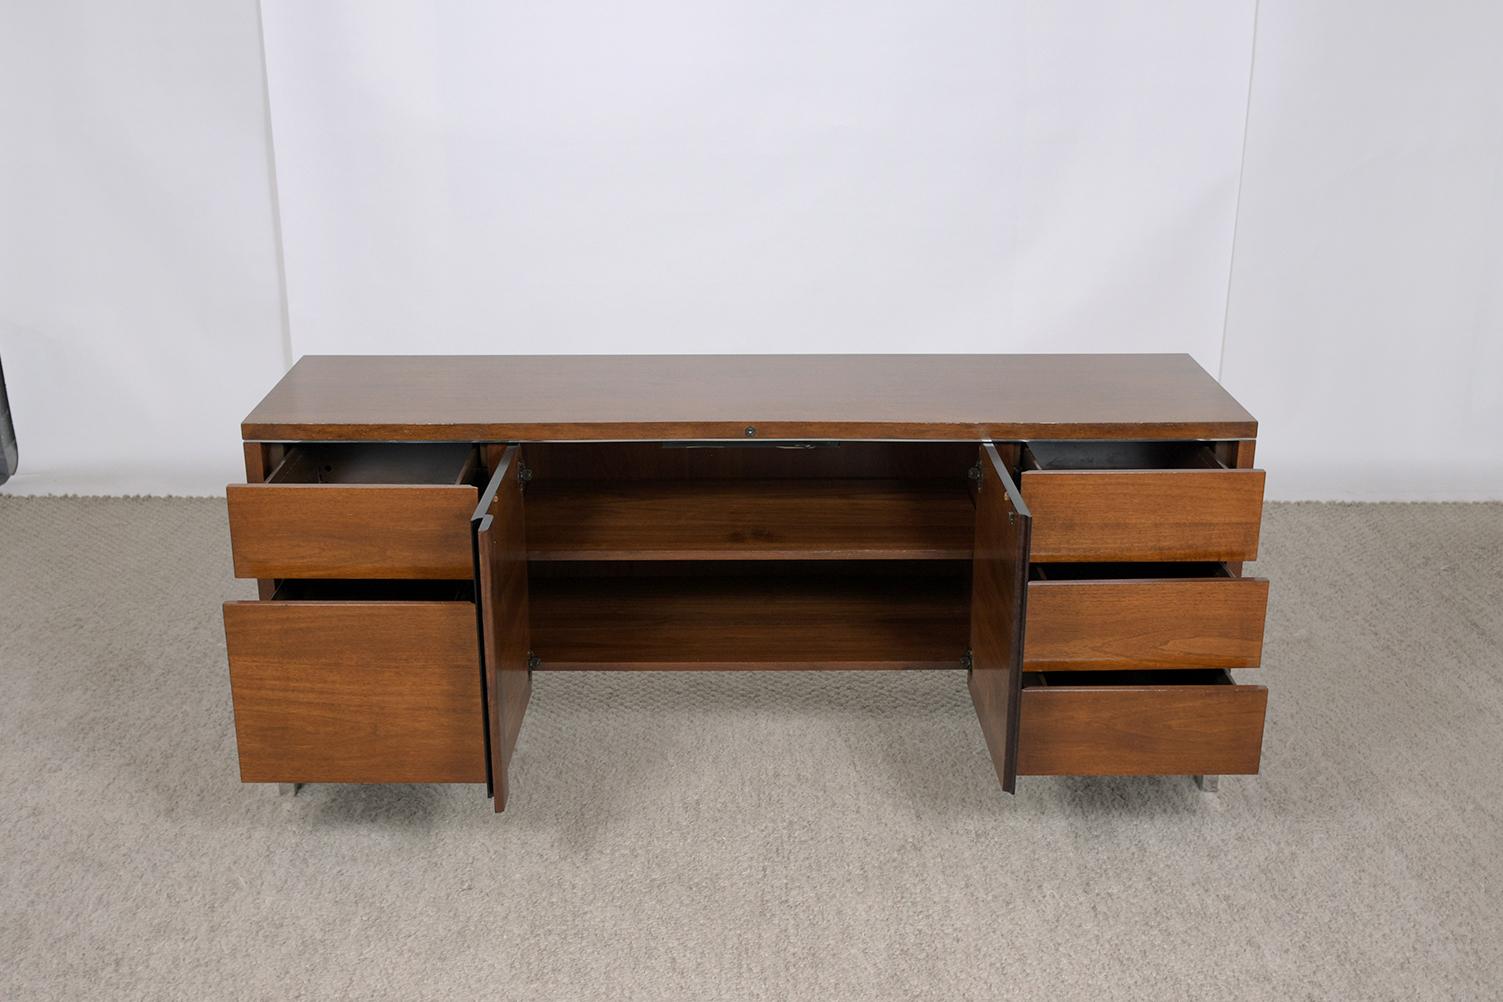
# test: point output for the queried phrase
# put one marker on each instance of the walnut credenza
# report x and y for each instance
(429, 531)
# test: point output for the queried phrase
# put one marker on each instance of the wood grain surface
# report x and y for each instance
(1141, 729)
(1091, 515)
(851, 519)
(649, 397)
(749, 460)
(501, 576)
(998, 610)
(802, 620)
(325, 531)
(1213, 622)
(356, 692)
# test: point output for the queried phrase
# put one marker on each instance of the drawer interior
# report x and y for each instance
(338, 590)
(444, 464)
(1071, 455)
(1153, 678)
(1128, 571)
(1130, 616)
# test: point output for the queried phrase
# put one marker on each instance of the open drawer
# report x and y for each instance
(1124, 616)
(1130, 501)
(358, 510)
(338, 682)
(1139, 723)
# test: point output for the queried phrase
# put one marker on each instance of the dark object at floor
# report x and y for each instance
(8, 454)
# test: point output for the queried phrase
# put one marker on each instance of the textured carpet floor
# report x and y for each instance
(754, 835)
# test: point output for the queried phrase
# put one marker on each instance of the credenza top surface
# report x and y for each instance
(650, 397)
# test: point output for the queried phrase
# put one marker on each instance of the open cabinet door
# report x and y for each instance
(999, 587)
(501, 593)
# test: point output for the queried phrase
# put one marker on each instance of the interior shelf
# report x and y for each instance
(786, 519)
(724, 619)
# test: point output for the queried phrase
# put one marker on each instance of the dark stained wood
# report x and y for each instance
(749, 520)
(1211, 622)
(501, 579)
(1093, 515)
(361, 531)
(1154, 728)
(652, 397)
(796, 620)
(258, 464)
(998, 599)
(1240, 458)
(261, 458)
(750, 460)
(356, 692)
(829, 570)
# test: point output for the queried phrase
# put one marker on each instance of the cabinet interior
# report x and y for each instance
(808, 554)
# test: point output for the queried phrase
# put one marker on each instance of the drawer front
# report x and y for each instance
(322, 531)
(1145, 623)
(356, 692)
(1094, 515)
(1168, 730)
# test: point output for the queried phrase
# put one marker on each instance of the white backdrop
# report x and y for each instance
(140, 305)
(1366, 323)
(680, 176)
(961, 176)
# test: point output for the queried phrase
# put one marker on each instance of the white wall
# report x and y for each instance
(681, 176)
(1365, 328)
(963, 176)
(140, 303)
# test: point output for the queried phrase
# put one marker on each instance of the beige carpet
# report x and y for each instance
(754, 836)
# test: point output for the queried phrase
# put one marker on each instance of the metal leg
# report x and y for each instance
(288, 789)
(1207, 784)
